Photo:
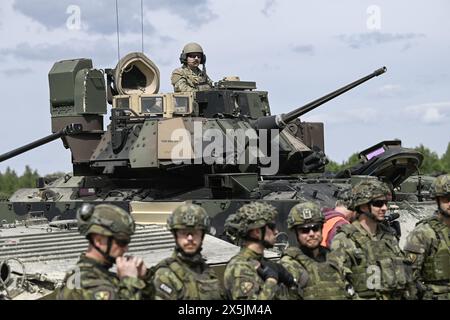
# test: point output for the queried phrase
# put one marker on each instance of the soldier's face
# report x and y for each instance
(310, 235)
(444, 203)
(379, 208)
(193, 59)
(189, 240)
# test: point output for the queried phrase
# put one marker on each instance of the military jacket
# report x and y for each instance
(242, 281)
(374, 265)
(316, 278)
(91, 280)
(185, 79)
(183, 278)
(428, 248)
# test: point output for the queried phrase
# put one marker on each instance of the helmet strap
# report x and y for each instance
(110, 260)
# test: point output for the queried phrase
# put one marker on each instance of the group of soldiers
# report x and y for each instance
(364, 260)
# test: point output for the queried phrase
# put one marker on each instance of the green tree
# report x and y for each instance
(445, 160)
(431, 163)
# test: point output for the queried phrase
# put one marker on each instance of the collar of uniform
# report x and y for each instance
(251, 254)
(360, 228)
(85, 259)
(322, 253)
(194, 260)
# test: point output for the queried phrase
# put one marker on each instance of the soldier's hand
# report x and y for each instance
(266, 271)
(127, 267)
(141, 267)
(284, 276)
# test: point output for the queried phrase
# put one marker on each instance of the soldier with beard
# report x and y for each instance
(316, 278)
(185, 275)
(367, 251)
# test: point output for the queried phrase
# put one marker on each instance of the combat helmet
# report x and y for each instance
(192, 47)
(367, 190)
(344, 196)
(441, 186)
(189, 216)
(105, 219)
(304, 213)
(250, 216)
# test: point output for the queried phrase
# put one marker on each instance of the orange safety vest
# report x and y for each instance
(327, 227)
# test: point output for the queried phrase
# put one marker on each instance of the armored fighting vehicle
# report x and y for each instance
(219, 148)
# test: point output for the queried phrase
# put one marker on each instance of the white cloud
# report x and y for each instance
(390, 90)
(429, 113)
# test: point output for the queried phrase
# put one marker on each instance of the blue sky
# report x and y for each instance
(295, 50)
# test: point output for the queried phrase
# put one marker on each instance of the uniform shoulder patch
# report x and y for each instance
(246, 287)
(103, 294)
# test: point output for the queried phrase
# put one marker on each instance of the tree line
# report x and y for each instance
(432, 165)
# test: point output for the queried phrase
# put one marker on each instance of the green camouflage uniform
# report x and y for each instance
(91, 279)
(374, 265)
(185, 79)
(316, 278)
(96, 282)
(186, 278)
(428, 248)
(241, 278)
(182, 276)
(242, 281)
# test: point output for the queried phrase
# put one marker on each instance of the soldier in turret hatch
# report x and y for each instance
(190, 77)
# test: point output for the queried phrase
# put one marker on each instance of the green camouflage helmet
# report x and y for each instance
(189, 216)
(441, 186)
(304, 213)
(344, 196)
(250, 216)
(105, 219)
(367, 190)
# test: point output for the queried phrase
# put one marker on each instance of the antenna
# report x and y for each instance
(118, 37)
(142, 23)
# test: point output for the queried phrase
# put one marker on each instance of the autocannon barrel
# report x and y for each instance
(279, 121)
(70, 129)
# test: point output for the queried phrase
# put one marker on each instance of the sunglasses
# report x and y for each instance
(272, 226)
(379, 203)
(122, 242)
(314, 228)
(195, 55)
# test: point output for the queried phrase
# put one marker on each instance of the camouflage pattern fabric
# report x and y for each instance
(374, 265)
(105, 219)
(304, 213)
(428, 248)
(185, 79)
(90, 280)
(253, 215)
(367, 190)
(242, 282)
(316, 278)
(441, 186)
(189, 216)
(183, 278)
